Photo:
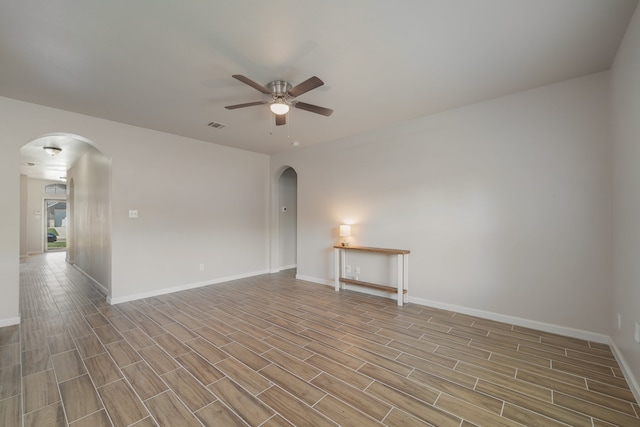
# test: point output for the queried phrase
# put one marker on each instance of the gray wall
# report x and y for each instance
(91, 221)
(24, 203)
(626, 197)
(505, 205)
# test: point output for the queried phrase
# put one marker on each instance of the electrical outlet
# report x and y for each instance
(637, 336)
(619, 321)
(201, 266)
(133, 213)
(357, 270)
(348, 269)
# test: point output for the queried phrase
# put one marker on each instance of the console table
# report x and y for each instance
(402, 286)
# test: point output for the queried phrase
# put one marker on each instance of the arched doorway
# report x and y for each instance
(287, 219)
(53, 160)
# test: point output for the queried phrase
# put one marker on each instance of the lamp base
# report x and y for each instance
(345, 243)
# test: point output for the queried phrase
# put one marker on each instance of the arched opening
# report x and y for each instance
(288, 219)
(83, 229)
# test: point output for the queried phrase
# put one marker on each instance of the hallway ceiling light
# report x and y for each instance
(52, 151)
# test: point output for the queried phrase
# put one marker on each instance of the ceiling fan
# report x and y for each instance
(283, 96)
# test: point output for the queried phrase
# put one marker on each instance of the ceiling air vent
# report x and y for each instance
(216, 125)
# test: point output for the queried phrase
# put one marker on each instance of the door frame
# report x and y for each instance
(45, 217)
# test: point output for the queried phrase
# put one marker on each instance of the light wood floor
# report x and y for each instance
(275, 351)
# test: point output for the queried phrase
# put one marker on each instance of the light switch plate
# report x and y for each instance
(133, 213)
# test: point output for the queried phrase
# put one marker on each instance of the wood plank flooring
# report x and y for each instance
(275, 351)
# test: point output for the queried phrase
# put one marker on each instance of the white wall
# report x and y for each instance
(288, 220)
(626, 196)
(10, 232)
(91, 218)
(24, 194)
(198, 202)
(505, 205)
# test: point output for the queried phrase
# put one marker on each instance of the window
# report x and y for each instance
(55, 189)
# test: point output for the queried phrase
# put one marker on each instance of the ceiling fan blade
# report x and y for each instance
(246, 104)
(313, 108)
(305, 86)
(251, 83)
(281, 119)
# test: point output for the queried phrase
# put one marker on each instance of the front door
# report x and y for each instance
(56, 224)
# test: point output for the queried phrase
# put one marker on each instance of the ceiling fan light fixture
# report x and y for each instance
(52, 151)
(279, 107)
(283, 97)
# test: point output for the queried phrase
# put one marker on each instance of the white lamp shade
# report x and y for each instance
(345, 231)
(279, 107)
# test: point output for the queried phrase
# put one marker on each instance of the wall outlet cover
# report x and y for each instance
(619, 321)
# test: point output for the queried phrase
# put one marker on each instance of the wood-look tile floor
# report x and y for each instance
(275, 351)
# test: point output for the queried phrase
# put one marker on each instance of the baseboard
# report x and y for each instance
(288, 267)
(9, 321)
(99, 286)
(626, 370)
(518, 321)
(527, 323)
(512, 320)
(155, 293)
(314, 280)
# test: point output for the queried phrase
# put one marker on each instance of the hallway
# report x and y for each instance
(275, 351)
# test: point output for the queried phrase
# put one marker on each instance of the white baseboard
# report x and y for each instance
(9, 321)
(518, 321)
(99, 286)
(284, 267)
(533, 324)
(512, 320)
(314, 280)
(626, 370)
(155, 293)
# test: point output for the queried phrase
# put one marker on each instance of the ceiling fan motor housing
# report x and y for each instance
(279, 88)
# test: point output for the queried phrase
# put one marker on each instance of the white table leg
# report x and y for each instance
(337, 267)
(400, 280)
(405, 275)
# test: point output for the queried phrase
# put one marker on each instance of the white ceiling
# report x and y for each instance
(167, 65)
